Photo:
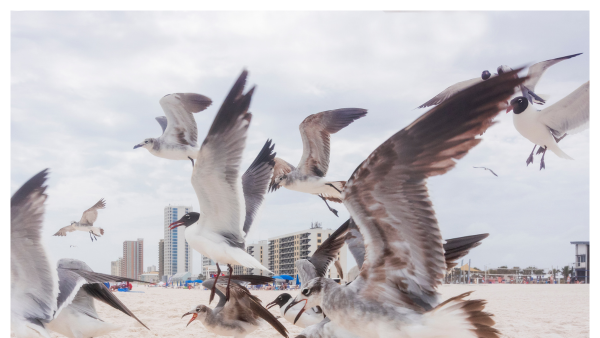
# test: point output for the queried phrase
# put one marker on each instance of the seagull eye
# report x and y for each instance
(306, 292)
(146, 142)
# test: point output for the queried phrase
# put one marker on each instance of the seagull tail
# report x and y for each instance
(458, 317)
(249, 261)
(555, 149)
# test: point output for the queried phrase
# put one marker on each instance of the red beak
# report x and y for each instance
(509, 109)
(175, 225)
(194, 315)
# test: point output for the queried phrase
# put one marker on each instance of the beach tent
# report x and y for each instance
(297, 280)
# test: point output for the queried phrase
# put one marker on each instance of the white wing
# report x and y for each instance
(571, 114)
(216, 177)
(537, 70)
(181, 126)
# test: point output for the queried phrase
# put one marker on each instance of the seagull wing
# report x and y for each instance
(216, 178)
(456, 248)
(452, 90)
(69, 284)
(493, 172)
(281, 168)
(103, 294)
(63, 231)
(404, 260)
(255, 182)
(537, 70)
(571, 114)
(90, 215)
(34, 286)
(356, 243)
(329, 249)
(181, 126)
(315, 131)
(162, 120)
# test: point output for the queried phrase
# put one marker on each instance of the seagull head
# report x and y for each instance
(503, 69)
(199, 312)
(311, 295)
(187, 220)
(148, 143)
(281, 300)
(518, 105)
(275, 184)
(485, 75)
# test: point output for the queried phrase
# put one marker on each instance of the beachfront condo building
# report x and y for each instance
(161, 258)
(177, 252)
(582, 261)
(115, 267)
(151, 268)
(132, 265)
(283, 251)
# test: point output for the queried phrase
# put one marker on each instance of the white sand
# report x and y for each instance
(520, 310)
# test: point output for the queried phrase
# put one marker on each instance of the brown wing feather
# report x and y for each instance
(281, 168)
(90, 215)
(387, 194)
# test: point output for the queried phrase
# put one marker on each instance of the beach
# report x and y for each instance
(543, 310)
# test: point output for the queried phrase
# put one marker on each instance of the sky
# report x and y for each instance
(85, 88)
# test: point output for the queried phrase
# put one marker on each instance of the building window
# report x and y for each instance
(318, 241)
(319, 235)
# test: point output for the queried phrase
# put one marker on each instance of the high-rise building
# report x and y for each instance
(132, 265)
(161, 258)
(285, 250)
(151, 268)
(115, 267)
(177, 251)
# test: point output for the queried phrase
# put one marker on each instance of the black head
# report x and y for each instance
(187, 220)
(518, 105)
(485, 75)
(281, 300)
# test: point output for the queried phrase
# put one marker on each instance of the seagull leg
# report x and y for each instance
(330, 208)
(191, 159)
(91, 236)
(530, 158)
(212, 290)
(228, 281)
(542, 164)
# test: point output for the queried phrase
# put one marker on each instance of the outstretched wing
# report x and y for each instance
(162, 120)
(103, 294)
(387, 195)
(571, 114)
(34, 286)
(281, 168)
(181, 126)
(315, 131)
(452, 90)
(356, 243)
(63, 231)
(255, 182)
(537, 70)
(456, 248)
(90, 215)
(329, 249)
(216, 178)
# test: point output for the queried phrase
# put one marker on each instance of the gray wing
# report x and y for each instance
(456, 248)
(216, 178)
(63, 231)
(450, 91)
(255, 182)
(162, 120)
(404, 260)
(90, 215)
(571, 114)
(306, 270)
(537, 70)
(329, 249)
(356, 243)
(315, 131)
(181, 126)
(69, 285)
(103, 294)
(34, 286)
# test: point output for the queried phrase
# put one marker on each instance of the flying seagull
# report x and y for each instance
(315, 266)
(490, 170)
(180, 132)
(309, 177)
(545, 128)
(76, 315)
(455, 88)
(237, 316)
(86, 223)
(220, 231)
(395, 292)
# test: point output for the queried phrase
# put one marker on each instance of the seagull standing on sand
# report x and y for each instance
(86, 223)
(309, 177)
(395, 293)
(180, 132)
(237, 316)
(220, 231)
(545, 128)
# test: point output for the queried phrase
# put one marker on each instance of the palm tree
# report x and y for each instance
(566, 271)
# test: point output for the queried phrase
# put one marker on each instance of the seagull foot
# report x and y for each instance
(529, 160)
(542, 165)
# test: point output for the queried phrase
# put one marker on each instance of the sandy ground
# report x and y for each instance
(520, 310)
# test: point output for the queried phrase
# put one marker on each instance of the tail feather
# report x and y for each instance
(250, 262)
(555, 149)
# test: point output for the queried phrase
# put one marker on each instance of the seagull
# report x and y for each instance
(86, 223)
(309, 177)
(533, 76)
(490, 170)
(455, 88)
(72, 246)
(315, 266)
(237, 316)
(395, 293)
(220, 231)
(545, 128)
(76, 315)
(180, 132)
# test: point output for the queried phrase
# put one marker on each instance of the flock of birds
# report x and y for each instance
(392, 231)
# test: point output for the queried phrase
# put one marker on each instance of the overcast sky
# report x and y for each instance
(86, 86)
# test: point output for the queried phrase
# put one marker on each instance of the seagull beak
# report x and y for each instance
(193, 317)
(301, 311)
(509, 109)
(175, 225)
(292, 304)
(271, 304)
(137, 146)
